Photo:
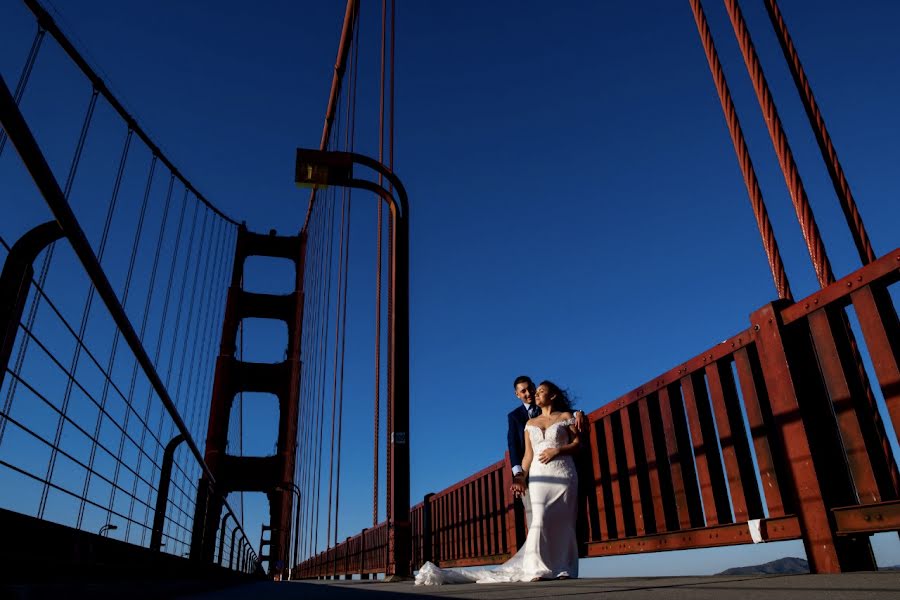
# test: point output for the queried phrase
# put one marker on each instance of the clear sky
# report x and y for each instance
(578, 213)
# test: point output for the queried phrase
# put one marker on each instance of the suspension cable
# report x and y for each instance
(25, 75)
(345, 270)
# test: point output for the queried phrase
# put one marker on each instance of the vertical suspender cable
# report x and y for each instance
(817, 122)
(151, 288)
(25, 76)
(48, 257)
(757, 203)
(390, 294)
(378, 259)
(805, 216)
(85, 313)
(342, 302)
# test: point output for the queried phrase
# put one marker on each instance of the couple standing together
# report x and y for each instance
(542, 438)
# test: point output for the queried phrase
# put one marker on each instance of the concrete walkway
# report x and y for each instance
(868, 586)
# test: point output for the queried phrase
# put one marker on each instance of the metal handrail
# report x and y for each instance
(46, 21)
(22, 139)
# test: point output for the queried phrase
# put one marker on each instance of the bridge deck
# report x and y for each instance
(870, 585)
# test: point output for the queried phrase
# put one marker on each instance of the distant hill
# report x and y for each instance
(783, 566)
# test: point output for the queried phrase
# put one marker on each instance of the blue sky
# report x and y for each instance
(577, 210)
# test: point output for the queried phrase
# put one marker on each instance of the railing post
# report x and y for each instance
(362, 555)
(513, 533)
(427, 552)
(222, 537)
(15, 281)
(825, 550)
(162, 493)
(231, 549)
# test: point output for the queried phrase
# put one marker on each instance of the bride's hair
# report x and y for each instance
(561, 400)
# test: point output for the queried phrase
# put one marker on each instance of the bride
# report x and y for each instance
(550, 550)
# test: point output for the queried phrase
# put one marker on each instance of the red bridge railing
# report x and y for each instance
(775, 430)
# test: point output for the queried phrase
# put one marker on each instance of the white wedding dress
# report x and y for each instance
(550, 550)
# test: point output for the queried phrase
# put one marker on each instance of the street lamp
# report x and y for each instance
(291, 486)
(104, 531)
(320, 169)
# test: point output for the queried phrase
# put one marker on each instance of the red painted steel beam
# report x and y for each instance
(756, 405)
(824, 325)
(777, 529)
(653, 471)
(675, 462)
(739, 467)
(721, 350)
(631, 464)
(818, 538)
(885, 270)
(599, 472)
(871, 518)
(614, 476)
(706, 452)
(881, 331)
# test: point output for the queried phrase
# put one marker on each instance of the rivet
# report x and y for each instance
(849, 284)
(806, 305)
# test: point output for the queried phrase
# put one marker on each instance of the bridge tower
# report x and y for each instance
(273, 475)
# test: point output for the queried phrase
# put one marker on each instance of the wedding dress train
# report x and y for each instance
(550, 550)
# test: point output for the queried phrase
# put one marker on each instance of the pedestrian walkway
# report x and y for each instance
(847, 586)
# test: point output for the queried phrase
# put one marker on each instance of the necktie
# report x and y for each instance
(533, 411)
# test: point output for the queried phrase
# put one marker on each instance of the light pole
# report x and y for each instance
(289, 485)
(317, 168)
(104, 531)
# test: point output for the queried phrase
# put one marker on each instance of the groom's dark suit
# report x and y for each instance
(515, 440)
(515, 434)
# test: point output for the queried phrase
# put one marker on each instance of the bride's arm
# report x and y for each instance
(529, 454)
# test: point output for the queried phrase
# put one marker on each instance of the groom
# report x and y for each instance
(515, 433)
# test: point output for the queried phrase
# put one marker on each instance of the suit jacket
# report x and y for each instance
(515, 434)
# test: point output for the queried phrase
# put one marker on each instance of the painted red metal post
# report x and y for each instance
(653, 470)
(631, 472)
(706, 455)
(614, 476)
(739, 468)
(599, 474)
(881, 330)
(825, 552)
(852, 420)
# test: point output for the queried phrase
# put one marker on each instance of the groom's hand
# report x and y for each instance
(548, 455)
(580, 421)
